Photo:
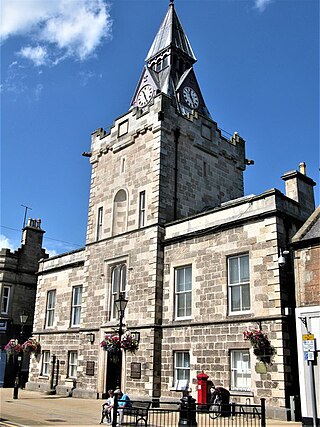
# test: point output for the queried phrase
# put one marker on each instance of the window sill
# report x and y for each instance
(240, 313)
(182, 319)
(43, 377)
(241, 393)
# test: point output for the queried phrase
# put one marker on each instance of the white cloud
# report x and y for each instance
(38, 55)
(262, 4)
(51, 252)
(6, 243)
(57, 28)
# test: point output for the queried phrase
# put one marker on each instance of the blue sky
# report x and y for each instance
(69, 67)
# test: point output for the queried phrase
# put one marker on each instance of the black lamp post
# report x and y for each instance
(17, 382)
(121, 304)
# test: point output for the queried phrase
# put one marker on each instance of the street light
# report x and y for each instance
(121, 304)
(17, 382)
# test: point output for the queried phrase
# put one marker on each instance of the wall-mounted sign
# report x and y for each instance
(307, 337)
(135, 370)
(309, 345)
(90, 368)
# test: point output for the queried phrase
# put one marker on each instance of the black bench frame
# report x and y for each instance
(138, 409)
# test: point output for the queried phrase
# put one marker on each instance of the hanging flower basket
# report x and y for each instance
(129, 343)
(31, 346)
(13, 348)
(262, 347)
(113, 346)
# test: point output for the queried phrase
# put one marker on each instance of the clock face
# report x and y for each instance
(145, 95)
(191, 97)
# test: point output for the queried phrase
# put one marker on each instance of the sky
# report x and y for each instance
(69, 67)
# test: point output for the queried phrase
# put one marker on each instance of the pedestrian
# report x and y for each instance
(221, 396)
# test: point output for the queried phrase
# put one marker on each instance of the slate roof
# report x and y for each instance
(310, 229)
(171, 34)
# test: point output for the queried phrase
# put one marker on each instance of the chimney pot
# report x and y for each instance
(303, 168)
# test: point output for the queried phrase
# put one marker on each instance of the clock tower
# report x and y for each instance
(163, 160)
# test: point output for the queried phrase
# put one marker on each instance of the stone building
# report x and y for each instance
(169, 228)
(306, 247)
(18, 283)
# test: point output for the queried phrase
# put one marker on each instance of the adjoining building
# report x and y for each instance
(169, 228)
(306, 248)
(18, 284)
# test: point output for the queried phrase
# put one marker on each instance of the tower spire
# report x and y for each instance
(169, 68)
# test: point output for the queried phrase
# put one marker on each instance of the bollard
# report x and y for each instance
(115, 410)
(18, 378)
(16, 388)
(187, 412)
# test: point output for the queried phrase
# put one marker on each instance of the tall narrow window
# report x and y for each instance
(142, 208)
(181, 368)
(45, 365)
(123, 165)
(5, 299)
(72, 364)
(51, 304)
(239, 284)
(76, 305)
(240, 370)
(183, 291)
(204, 168)
(99, 223)
(118, 286)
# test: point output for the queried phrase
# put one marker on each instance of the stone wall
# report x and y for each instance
(307, 271)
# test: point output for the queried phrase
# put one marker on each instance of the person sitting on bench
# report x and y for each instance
(124, 403)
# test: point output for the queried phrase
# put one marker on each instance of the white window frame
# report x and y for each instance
(183, 294)
(118, 286)
(76, 305)
(72, 364)
(240, 367)
(99, 222)
(241, 284)
(181, 371)
(50, 308)
(5, 299)
(142, 209)
(45, 363)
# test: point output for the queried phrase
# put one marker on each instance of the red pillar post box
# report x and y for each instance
(202, 388)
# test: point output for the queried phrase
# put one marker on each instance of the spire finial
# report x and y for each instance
(171, 2)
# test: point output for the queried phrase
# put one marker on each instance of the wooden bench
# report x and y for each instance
(138, 409)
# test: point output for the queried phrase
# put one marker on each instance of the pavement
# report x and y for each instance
(33, 408)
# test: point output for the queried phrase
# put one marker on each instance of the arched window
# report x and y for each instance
(165, 62)
(118, 286)
(120, 208)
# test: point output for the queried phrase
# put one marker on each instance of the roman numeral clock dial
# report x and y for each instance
(145, 95)
(190, 97)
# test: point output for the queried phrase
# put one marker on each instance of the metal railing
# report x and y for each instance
(188, 413)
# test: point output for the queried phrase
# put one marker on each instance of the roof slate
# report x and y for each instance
(171, 33)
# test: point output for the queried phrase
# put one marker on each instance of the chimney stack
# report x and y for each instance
(299, 187)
